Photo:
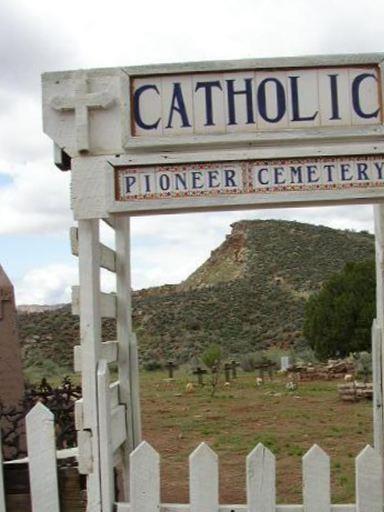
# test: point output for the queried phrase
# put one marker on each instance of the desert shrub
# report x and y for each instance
(363, 365)
(212, 355)
(152, 365)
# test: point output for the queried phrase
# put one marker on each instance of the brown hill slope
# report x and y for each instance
(248, 295)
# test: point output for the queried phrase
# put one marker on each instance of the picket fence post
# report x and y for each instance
(261, 480)
(203, 479)
(369, 485)
(316, 481)
(42, 459)
(144, 479)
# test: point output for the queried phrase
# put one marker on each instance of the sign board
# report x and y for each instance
(220, 135)
(254, 101)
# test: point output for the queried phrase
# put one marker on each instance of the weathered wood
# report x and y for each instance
(145, 467)
(378, 431)
(203, 480)
(90, 336)
(107, 255)
(135, 390)
(261, 480)
(118, 427)
(124, 330)
(85, 443)
(107, 303)
(316, 481)
(109, 352)
(42, 459)
(105, 436)
(369, 484)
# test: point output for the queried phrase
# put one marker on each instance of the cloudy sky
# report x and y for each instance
(45, 35)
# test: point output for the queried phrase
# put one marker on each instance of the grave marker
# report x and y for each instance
(170, 366)
(11, 373)
(199, 372)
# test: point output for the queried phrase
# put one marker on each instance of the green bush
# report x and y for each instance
(152, 365)
(212, 356)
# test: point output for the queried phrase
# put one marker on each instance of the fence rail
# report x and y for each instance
(144, 478)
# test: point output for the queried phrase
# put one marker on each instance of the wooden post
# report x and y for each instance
(125, 342)
(90, 336)
(42, 459)
(379, 324)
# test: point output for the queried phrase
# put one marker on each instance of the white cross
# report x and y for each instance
(81, 102)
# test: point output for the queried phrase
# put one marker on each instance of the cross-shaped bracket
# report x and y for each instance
(5, 296)
(82, 102)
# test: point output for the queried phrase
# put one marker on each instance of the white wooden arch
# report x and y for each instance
(90, 115)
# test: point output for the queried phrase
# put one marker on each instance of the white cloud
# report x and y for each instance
(37, 37)
(36, 201)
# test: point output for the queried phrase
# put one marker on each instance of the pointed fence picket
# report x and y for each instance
(42, 459)
(144, 480)
(260, 482)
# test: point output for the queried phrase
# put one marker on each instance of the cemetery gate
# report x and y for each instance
(209, 136)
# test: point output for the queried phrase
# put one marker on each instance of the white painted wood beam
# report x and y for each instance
(107, 255)
(109, 352)
(107, 303)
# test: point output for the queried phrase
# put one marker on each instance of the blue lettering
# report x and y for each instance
(208, 86)
(311, 172)
(213, 180)
(136, 107)
(362, 171)
(178, 105)
(379, 168)
(130, 181)
(345, 169)
(334, 97)
(329, 168)
(196, 179)
(296, 173)
(147, 182)
(356, 96)
(231, 100)
(278, 173)
(259, 177)
(295, 102)
(164, 182)
(229, 175)
(280, 100)
(180, 179)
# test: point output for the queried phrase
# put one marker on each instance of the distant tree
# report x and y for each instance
(338, 318)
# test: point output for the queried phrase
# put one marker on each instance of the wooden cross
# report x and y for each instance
(170, 366)
(227, 369)
(234, 365)
(82, 102)
(199, 372)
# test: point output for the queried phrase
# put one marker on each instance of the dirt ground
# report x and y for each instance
(242, 415)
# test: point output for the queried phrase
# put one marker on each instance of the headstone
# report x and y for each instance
(199, 372)
(11, 373)
(285, 363)
(227, 371)
(170, 367)
(234, 365)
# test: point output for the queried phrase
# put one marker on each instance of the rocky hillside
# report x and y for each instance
(248, 295)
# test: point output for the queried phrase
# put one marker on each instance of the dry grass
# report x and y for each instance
(242, 415)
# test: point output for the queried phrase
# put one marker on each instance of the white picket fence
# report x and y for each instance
(260, 483)
(203, 478)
